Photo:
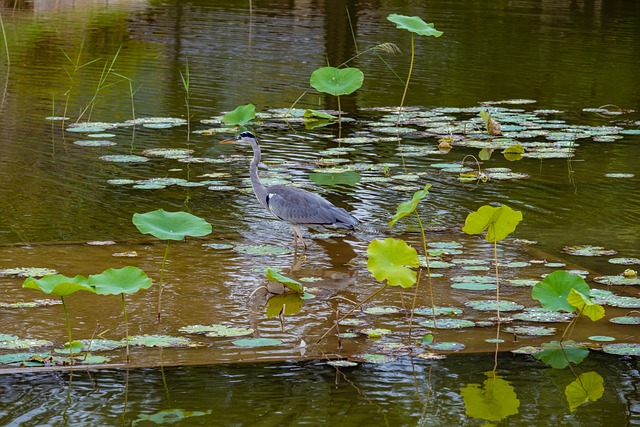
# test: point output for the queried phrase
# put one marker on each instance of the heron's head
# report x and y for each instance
(243, 138)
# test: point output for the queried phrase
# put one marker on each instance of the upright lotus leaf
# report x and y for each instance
(588, 387)
(241, 115)
(558, 355)
(554, 289)
(390, 259)
(408, 207)
(494, 400)
(58, 284)
(584, 304)
(414, 24)
(336, 81)
(171, 225)
(498, 221)
(274, 276)
(126, 280)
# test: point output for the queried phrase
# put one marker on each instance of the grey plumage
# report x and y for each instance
(291, 204)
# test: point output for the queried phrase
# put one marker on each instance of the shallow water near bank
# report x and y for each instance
(540, 69)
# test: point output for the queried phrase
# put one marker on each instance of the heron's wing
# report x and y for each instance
(298, 206)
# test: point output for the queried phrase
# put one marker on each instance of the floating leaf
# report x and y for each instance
(407, 208)
(340, 178)
(448, 323)
(18, 357)
(584, 305)
(588, 387)
(160, 341)
(601, 338)
(27, 271)
(624, 261)
(261, 250)
(539, 314)
(414, 24)
(439, 311)
(169, 416)
(622, 349)
(490, 305)
(23, 344)
(381, 310)
(257, 342)
(342, 363)
(126, 280)
(336, 81)
(241, 115)
(390, 258)
(625, 320)
(588, 250)
(101, 345)
(498, 221)
(124, 158)
(376, 358)
(493, 400)
(617, 280)
(216, 330)
(294, 285)
(376, 333)
(473, 286)
(530, 330)
(447, 346)
(171, 225)
(558, 355)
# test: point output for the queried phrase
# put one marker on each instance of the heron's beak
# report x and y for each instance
(229, 141)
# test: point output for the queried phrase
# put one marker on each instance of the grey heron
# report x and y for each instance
(291, 204)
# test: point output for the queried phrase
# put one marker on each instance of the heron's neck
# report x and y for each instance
(259, 189)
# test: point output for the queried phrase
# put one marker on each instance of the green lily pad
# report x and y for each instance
(58, 284)
(168, 153)
(124, 158)
(257, 342)
(553, 290)
(439, 311)
(90, 359)
(100, 345)
(336, 81)
(498, 222)
(160, 341)
(31, 304)
(262, 250)
(218, 246)
(559, 355)
(617, 280)
(375, 333)
(522, 282)
(169, 416)
(447, 346)
(601, 338)
(473, 286)
(294, 285)
(414, 24)
(490, 305)
(171, 225)
(352, 322)
(85, 129)
(23, 344)
(539, 314)
(530, 330)
(381, 310)
(528, 349)
(619, 175)
(241, 115)
(376, 358)
(518, 264)
(27, 271)
(8, 337)
(407, 208)
(624, 261)
(126, 280)
(588, 250)
(390, 259)
(94, 143)
(622, 349)
(436, 264)
(216, 330)
(448, 323)
(475, 268)
(626, 320)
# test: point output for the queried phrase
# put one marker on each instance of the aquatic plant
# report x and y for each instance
(186, 80)
(126, 280)
(337, 82)
(415, 25)
(170, 226)
(240, 116)
(62, 286)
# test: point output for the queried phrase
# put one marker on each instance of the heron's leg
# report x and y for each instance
(297, 233)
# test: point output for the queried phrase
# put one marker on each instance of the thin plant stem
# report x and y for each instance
(126, 324)
(406, 85)
(66, 317)
(6, 43)
(495, 260)
(164, 261)
(185, 84)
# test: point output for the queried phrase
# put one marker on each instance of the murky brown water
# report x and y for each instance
(57, 196)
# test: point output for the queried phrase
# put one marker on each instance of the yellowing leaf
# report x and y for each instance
(588, 387)
(583, 303)
(389, 260)
(498, 221)
(407, 208)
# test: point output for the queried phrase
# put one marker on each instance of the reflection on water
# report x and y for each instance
(394, 394)
(564, 56)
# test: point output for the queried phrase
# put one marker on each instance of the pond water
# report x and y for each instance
(562, 79)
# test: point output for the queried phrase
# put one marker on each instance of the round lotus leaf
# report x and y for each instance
(124, 158)
(588, 250)
(90, 359)
(216, 330)
(160, 341)
(555, 264)
(625, 261)
(352, 322)
(8, 337)
(470, 262)
(263, 250)
(257, 342)
(31, 304)
(617, 280)
(530, 330)
(518, 264)
(101, 135)
(474, 279)
(23, 344)
(414, 24)
(447, 346)
(171, 225)
(439, 311)
(154, 120)
(94, 143)
(169, 153)
(121, 181)
(601, 338)
(490, 305)
(27, 271)
(445, 245)
(474, 286)
(494, 340)
(381, 310)
(527, 350)
(626, 320)
(538, 314)
(342, 363)
(375, 333)
(522, 282)
(376, 358)
(101, 345)
(126, 280)
(86, 129)
(218, 246)
(475, 268)
(619, 175)
(622, 349)
(440, 264)
(448, 323)
(337, 81)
